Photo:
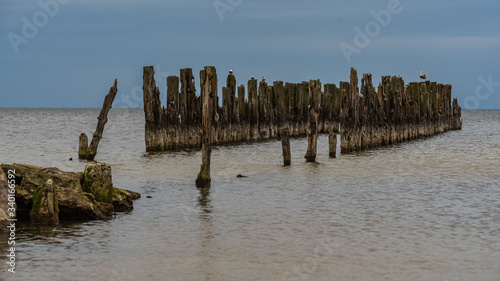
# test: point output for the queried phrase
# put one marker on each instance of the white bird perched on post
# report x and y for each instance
(263, 79)
(230, 71)
(422, 75)
(252, 78)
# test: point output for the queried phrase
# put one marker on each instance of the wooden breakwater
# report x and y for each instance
(364, 115)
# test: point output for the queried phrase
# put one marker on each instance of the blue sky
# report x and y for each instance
(79, 47)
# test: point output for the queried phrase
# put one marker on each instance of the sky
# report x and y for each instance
(67, 53)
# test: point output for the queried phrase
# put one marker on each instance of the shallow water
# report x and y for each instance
(423, 210)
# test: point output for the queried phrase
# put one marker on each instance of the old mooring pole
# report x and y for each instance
(332, 143)
(285, 142)
(312, 123)
(90, 152)
(208, 81)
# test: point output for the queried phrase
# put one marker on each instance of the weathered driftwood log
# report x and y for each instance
(90, 152)
(285, 143)
(208, 78)
(313, 115)
(47, 195)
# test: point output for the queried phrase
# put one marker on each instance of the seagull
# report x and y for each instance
(252, 78)
(422, 75)
(263, 79)
(230, 71)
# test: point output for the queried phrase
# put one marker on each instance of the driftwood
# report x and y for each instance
(89, 152)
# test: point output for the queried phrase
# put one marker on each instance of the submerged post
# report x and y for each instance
(208, 81)
(312, 123)
(285, 143)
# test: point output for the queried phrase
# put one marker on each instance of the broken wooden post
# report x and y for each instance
(285, 142)
(253, 103)
(312, 123)
(89, 151)
(332, 143)
(208, 78)
(97, 181)
(83, 147)
(45, 208)
(103, 118)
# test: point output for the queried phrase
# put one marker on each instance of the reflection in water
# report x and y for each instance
(206, 233)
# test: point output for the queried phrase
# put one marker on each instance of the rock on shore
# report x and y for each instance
(49, 195)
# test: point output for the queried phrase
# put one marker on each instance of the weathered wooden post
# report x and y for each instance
(103, 118)
(83, 147)
(312, 125)
(253, 103)
(45, 208)
(332, 143)
(173, 100)
(89, 152)
(208, 78)
(285, 143)
(152, 112)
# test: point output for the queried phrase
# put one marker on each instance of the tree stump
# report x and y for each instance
(97, 181)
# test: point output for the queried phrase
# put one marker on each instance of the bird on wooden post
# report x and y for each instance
(230, 71)
(422, 75)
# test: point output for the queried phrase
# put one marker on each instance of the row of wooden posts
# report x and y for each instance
(365, 117)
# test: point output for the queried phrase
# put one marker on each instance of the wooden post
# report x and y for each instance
(152, 108)
(208, 78)
(312, 124)
(332, 143)
(103, 118)
(83, 148)
(285, 143)
(173, 99)
(253, 102)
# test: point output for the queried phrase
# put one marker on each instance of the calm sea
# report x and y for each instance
(423, 210)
